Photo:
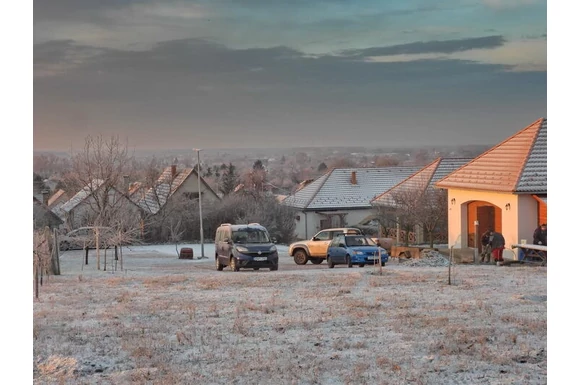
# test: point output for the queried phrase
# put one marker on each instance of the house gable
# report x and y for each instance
(43, 216)
(423, 179)
(168, 183)
(517, 165)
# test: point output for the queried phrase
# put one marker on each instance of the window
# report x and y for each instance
(250, 235)
(356, 241)
(338, 240)
(191, 195)
(323, 236)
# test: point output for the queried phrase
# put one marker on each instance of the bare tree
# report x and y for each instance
(432, 213)
(407, 207)
(99, 170)
(42, 257)
(414, 204)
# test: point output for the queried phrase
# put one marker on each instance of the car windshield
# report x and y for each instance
(250, 236)
(357, 241)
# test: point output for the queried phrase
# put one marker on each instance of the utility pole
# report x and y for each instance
(201, 241)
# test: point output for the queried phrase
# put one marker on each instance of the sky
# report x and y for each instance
(167, 74)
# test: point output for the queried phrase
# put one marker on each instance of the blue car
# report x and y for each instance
(355, 250)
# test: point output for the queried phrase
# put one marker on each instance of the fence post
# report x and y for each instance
(55, 254)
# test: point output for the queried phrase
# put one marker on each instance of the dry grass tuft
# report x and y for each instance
(164, 281)
(57, 367)
(209, 283)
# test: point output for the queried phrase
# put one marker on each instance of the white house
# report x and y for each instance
(342, 197)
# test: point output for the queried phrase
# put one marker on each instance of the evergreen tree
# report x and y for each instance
(229, 180)
(258, 165)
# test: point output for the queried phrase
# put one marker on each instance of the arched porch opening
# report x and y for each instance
(487, 215)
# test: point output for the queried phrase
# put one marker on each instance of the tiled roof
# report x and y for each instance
(422, 179)
(78, 197)
(136, 192)
(517, 165)
(157, 196)
(57, 196)
(334, 189)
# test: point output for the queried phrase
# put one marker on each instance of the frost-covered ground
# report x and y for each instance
(162, 320)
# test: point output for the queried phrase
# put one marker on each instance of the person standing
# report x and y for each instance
(497, 242)
(485, 247)
(541, 235)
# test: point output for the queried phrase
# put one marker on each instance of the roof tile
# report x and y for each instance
(518, 164)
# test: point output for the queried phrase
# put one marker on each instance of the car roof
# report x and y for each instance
(341, 229)
(245, 226)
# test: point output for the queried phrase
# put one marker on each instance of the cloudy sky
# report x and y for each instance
(253, 73)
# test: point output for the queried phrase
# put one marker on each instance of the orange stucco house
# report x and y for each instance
(505, 188)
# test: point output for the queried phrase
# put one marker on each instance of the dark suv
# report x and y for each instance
(244, 246)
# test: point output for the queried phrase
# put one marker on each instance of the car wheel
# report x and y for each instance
(234, 265)
(218, 265)
(348, 261)
(361, 265)
(256, 268)
(382, 264)
(300, 257)
(64, 246)
(330, 263)
(316, 261)
(274, 268)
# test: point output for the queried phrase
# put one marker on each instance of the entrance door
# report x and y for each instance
(486, 218)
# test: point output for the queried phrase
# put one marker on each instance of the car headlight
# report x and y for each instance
(242, 249)
(359, 253)
(273, 248)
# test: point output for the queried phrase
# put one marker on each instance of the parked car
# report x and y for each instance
(82, 237)
(246, 246)
(355, 250)
(314, 249)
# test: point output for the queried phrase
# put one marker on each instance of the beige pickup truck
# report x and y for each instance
(314, 249)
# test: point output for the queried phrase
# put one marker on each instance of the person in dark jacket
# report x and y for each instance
(541, 235)
(497, 242)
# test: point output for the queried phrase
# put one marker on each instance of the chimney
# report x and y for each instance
(45, 194)
(173, 171)
(353, 177)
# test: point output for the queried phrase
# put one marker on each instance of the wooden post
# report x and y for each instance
(97, 246)
(36, 277)
(55, 254)
(450, 259)
(86, 255)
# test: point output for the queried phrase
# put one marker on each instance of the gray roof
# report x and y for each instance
(447, 166)
(78, 197)
(534, 177)
(422, 179)
(334, 189)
